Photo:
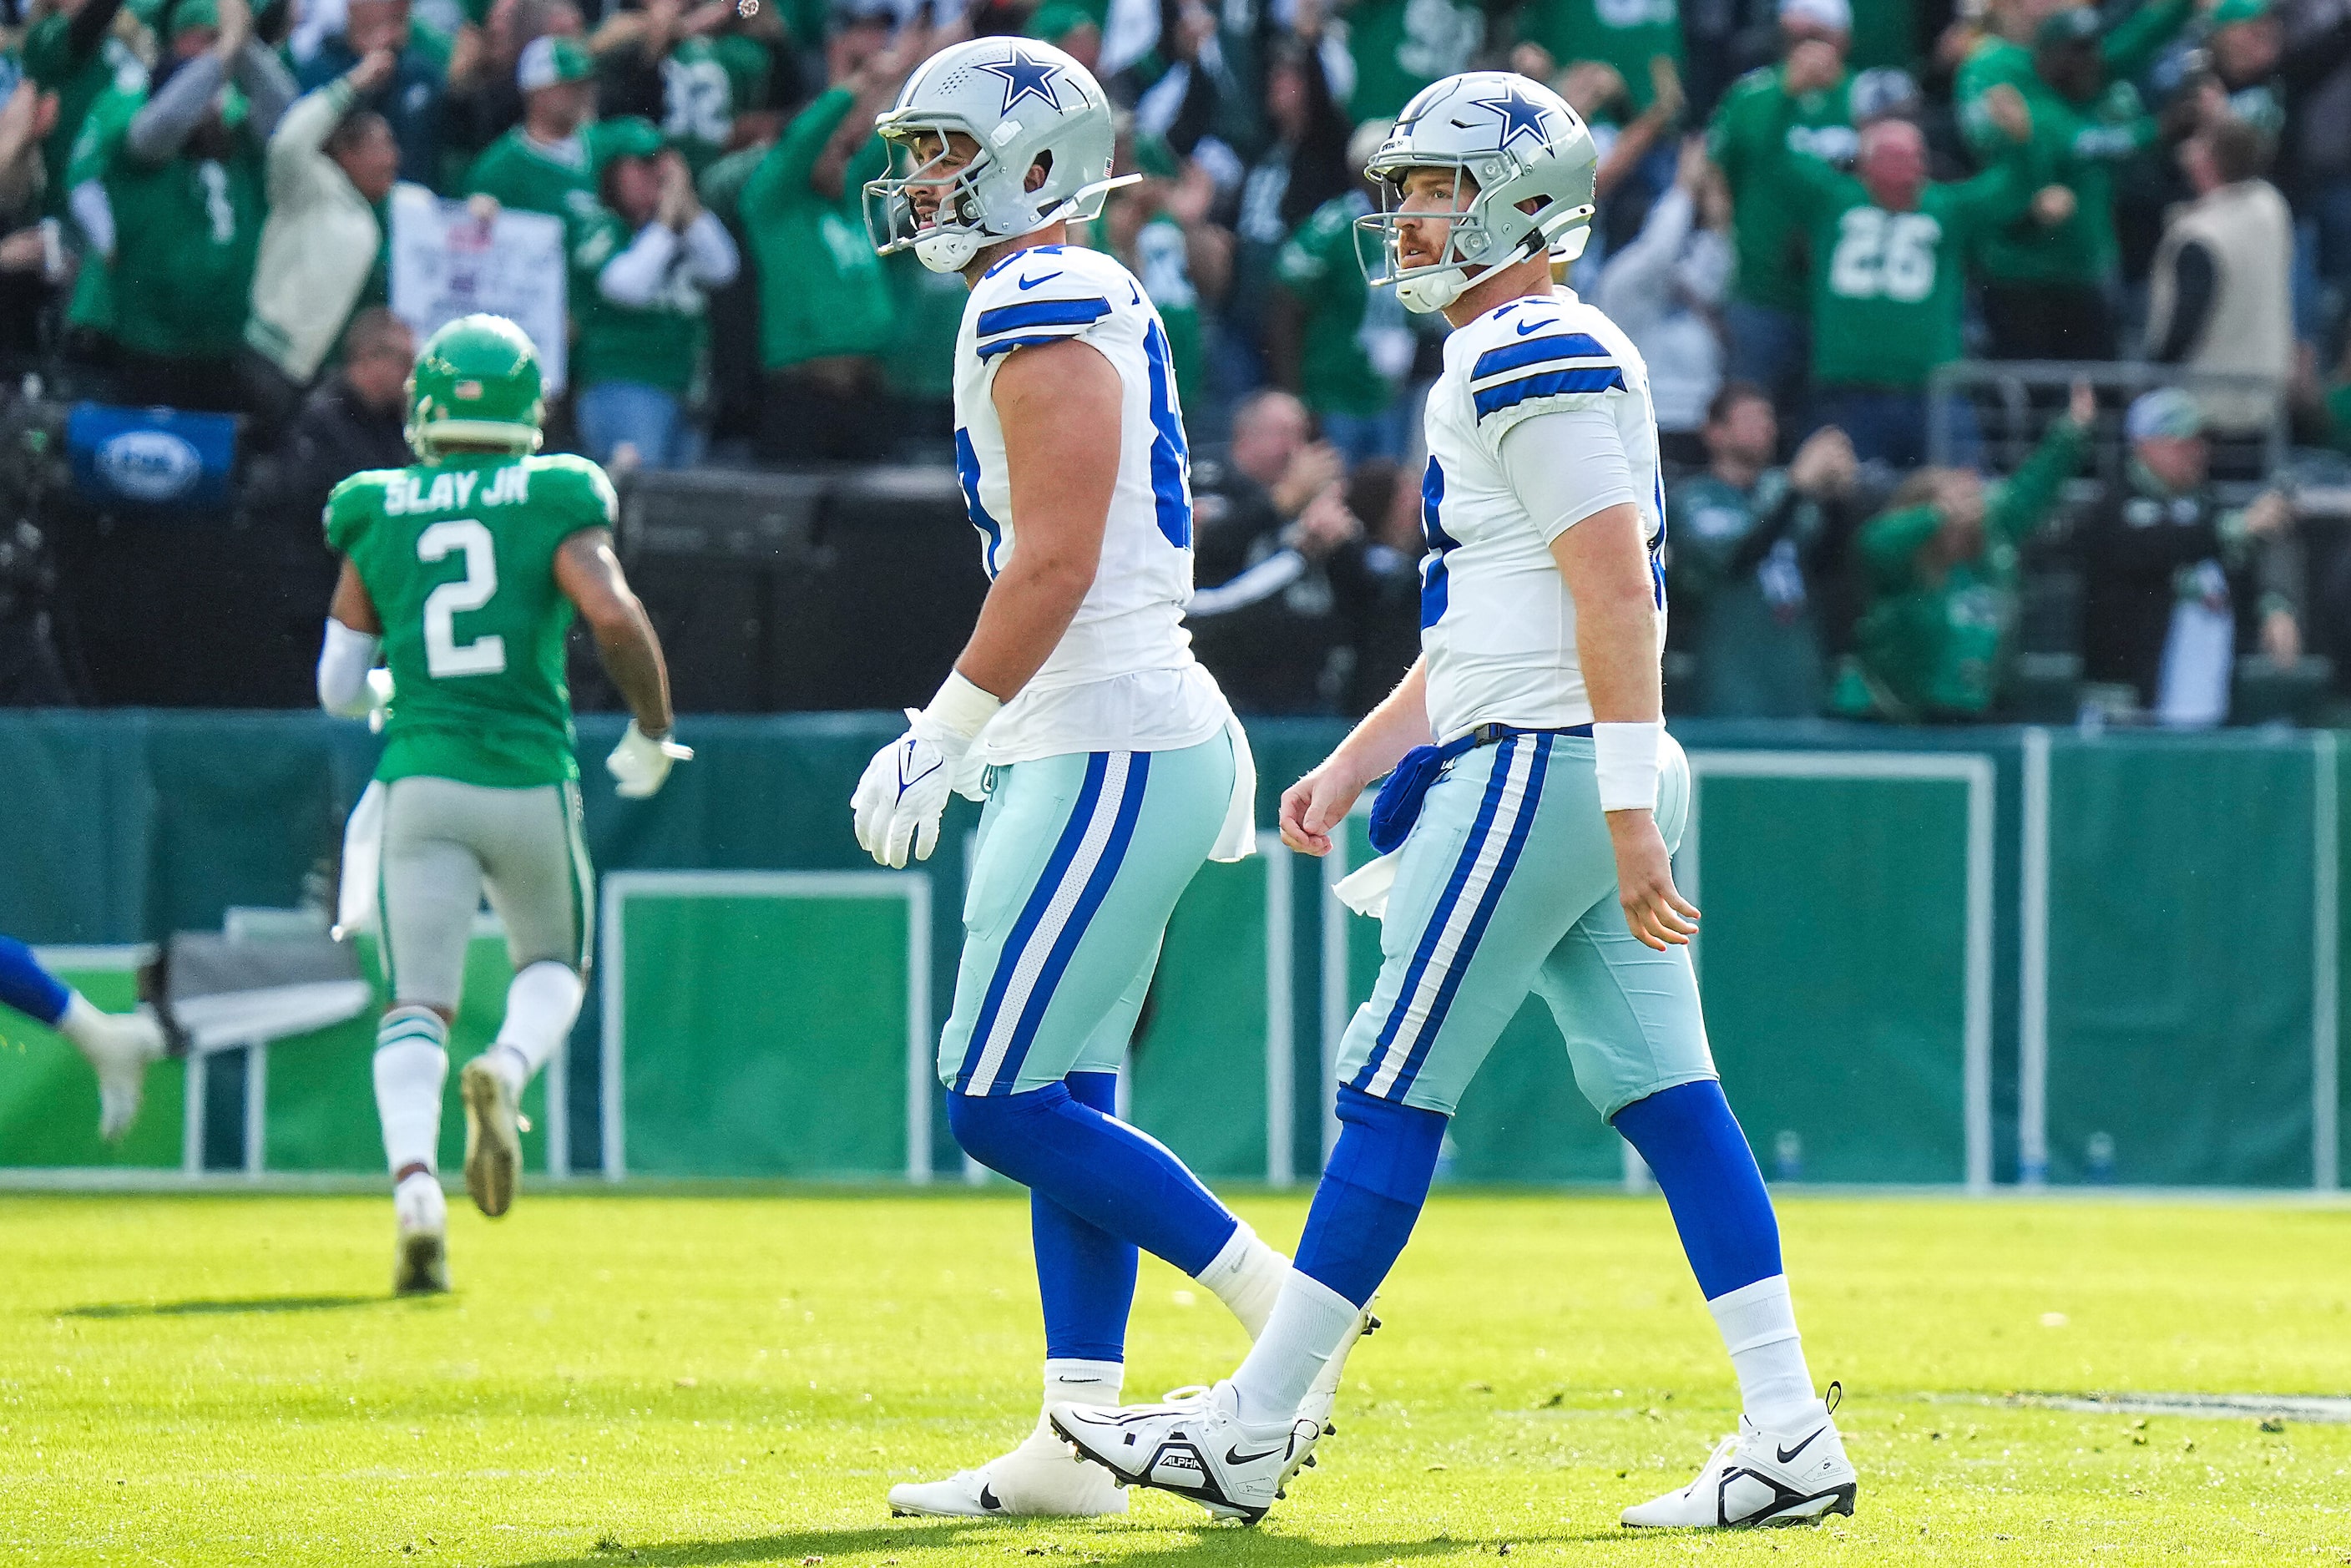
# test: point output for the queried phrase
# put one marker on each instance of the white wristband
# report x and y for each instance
(961, 706)
(1625, 757)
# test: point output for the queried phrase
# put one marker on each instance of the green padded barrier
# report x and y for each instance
(1833, 959)
(1198, 1078)
(767, 1023)
(2181, 960)
(48, 1099)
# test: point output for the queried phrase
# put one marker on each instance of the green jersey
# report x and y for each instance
(186, 234)
(2078, 144)
(1936, 645)
(80, 83)
(558, 179)
(94, 148)
(1626, 34)
(706, 83)
(1885, 33)
(822, 289)
(661, 344)
(1337, 372)
(1765, 143)
(1400, 46)
(459, 559)
(928, 307)
(1889, 297)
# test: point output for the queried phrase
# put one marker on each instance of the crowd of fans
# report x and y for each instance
(1807, 207)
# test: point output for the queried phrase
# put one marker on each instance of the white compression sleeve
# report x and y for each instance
(344, 659)
(1566, 464)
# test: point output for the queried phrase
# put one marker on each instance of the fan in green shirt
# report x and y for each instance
(706, 82)
(822, 294)
(92, 308)
(1329, 323)
(1939, 571)
(1888, 297)
(75, 53)
(548, 164)
(1772, 125)
(2080, 128)
(1626, 34)
(1400, 46)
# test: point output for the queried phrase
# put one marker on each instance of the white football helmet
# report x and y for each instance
(1517, 139)
(1024, 102)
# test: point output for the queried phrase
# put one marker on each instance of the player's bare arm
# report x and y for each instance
(1607, 565)
(351, 605)
(590, 577)
(1061, 407)
(1320, 801)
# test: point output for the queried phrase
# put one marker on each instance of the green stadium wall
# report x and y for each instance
(1948, 957)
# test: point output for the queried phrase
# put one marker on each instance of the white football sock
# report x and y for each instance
(542, 1004)
(1309, 1321)
(411, 1061)
(82, 1023)
(1247, 1275)
(1072, 1381)
(1758, 1329)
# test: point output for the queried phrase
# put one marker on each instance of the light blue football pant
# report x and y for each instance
(1507, 885)
(1080, 861)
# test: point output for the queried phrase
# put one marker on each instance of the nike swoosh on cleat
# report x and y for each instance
(1233, 1456)
(1029, 283)
(988, 1499)
(1788, 1454)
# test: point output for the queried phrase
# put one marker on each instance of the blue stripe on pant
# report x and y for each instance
(1447, 945)
(1086, 858)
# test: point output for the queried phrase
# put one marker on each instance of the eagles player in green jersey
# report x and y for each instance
(464, 570)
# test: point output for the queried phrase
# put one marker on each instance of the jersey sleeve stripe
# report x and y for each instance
(1005, 345)
(1030, 314)
(1551, 383)
(1536, 351)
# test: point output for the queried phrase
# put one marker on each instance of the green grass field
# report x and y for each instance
(737, 1380)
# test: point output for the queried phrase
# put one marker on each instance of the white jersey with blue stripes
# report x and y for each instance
(1123, 677)
(1497, 623)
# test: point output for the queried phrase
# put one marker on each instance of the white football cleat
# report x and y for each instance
(493, 1137)
(118, 1046)
(1196, 1446)
(1041, 1479)
(419, 1255)
(1758, 1478)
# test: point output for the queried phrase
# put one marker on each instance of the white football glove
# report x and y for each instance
(378, 698)
(639, 763)
(905, 791)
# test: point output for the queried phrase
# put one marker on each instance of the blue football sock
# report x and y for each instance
(27, 988)
(1085, 1276)
(1701, 1160)
(1371, 1193)
(1119, 1180)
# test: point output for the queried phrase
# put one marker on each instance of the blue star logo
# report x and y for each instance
(1521, 115)
(1025, 77)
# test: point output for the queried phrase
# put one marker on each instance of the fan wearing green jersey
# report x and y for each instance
(1889, 290)
(464, 572)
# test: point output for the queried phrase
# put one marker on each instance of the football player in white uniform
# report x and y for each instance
(1532, 807)
(1112, 764)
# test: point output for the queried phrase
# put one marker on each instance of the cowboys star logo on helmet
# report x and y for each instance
(1523, 169)
(990, 139)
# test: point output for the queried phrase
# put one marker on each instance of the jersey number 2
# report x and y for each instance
(444, 655)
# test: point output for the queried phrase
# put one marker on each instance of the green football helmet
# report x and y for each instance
(477, 383)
